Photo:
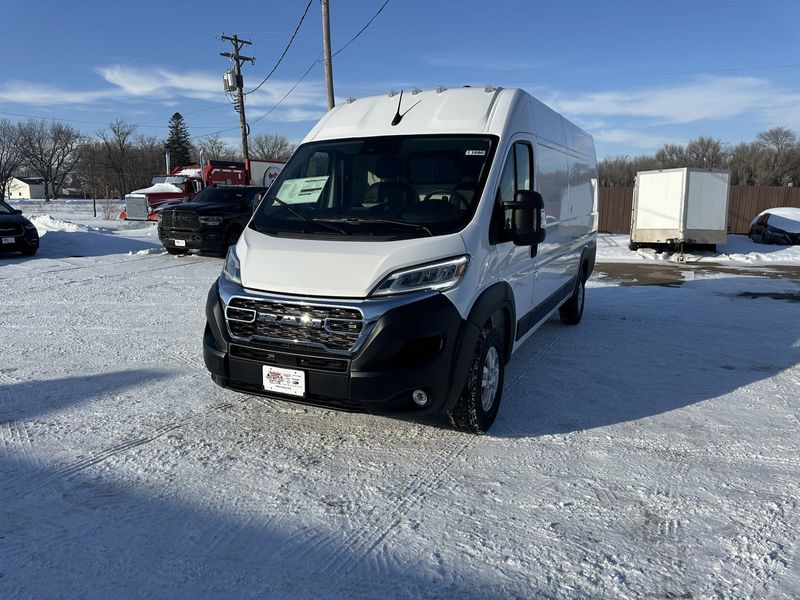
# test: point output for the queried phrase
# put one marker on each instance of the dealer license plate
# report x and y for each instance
(8, 240)
(284, 381)
(180, 243)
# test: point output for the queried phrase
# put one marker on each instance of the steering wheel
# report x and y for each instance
(462, 201)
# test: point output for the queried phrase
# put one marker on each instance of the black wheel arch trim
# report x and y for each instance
(496, 304)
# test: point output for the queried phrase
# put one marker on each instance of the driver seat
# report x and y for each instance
(389, 193)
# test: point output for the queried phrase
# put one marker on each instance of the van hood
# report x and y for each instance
(333, 269)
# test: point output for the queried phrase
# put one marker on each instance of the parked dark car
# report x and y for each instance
(17, 234)
(776, 226)
(211, 222)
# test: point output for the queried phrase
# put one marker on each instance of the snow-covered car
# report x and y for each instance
(17, 234)
(776, 226)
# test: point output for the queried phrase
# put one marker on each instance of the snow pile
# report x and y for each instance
(146, 251)
(45, 223)
(739, 250)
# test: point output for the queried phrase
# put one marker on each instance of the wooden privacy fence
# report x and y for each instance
(744, 203)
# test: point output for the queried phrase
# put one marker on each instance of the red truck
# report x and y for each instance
(184, 182)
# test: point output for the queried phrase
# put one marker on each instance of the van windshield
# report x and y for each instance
(378, 188)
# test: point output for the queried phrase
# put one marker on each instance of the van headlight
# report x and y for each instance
(232, 269)
(440, 276)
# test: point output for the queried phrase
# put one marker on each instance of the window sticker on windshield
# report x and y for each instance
(475, 153)
(302, 190)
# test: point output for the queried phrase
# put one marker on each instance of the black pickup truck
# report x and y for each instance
(211, 222)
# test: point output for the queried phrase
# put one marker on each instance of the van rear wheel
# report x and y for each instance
(572, 310)
(476, 408)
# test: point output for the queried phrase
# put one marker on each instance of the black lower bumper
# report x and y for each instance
(201, 240)
(22, 243)
(424, 345)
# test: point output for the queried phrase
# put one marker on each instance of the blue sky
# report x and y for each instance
(635, 74)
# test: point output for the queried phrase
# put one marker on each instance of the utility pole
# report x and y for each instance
(238, 84)
(326, 49)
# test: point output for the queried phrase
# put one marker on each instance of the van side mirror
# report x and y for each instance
(17, 211)
(526, 219)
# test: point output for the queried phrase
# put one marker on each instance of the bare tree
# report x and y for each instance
(11, 156)
(215, 148)
(778, 138)
(270, 146)
(707, 153)
(51, 151)
(621, 170)
(744, 163)
(117, 146)
(671, 156)
(147, 161)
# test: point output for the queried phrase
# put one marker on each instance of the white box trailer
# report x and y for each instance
(679, 207)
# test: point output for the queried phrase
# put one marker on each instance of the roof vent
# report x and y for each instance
(393, 93)
(350, 100)
(415, 91)
(489, 88)
(440, 89)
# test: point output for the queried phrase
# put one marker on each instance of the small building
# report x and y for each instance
(25, 188)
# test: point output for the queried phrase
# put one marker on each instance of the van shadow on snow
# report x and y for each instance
(642, 351)
(74, 530)
(79, 244)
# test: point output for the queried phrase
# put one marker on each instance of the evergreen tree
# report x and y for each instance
(178, 142)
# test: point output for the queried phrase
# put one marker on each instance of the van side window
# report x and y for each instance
(522, 154)
(516, 175)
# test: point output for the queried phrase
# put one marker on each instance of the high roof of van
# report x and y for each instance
(476, 110)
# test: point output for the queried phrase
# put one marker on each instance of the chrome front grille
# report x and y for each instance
(136, 208)
(331, 328)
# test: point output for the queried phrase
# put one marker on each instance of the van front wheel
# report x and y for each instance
(477, 405)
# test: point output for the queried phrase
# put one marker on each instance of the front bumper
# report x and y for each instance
(209, 239)
(417, 343)
(28, 241)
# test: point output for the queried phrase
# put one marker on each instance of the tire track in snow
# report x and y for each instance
(359, 546)
(98, 456)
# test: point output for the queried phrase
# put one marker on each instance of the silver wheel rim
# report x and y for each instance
(490, 379)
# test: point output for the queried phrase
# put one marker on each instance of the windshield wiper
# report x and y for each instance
(389, 222)
(306, 219)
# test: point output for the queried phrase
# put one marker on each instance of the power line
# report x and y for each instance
(317, 61)
(363, 29)
(285, 50)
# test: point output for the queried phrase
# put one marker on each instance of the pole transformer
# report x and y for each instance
(238, 83)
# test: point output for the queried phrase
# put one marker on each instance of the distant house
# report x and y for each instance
(25, 187)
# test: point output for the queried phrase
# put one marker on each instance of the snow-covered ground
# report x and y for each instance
(740, 250)
(652, 451)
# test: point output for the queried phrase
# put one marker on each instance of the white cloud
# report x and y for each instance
(631, 137)
(42, 94)
(306, 102)
(707, 98)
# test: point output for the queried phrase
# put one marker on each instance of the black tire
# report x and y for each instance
(633, 246)
(231, 237)
(175, 251)
(469, 414)
(29, 251)
(571, 311)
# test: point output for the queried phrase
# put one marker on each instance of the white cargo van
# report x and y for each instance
(407, 249)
